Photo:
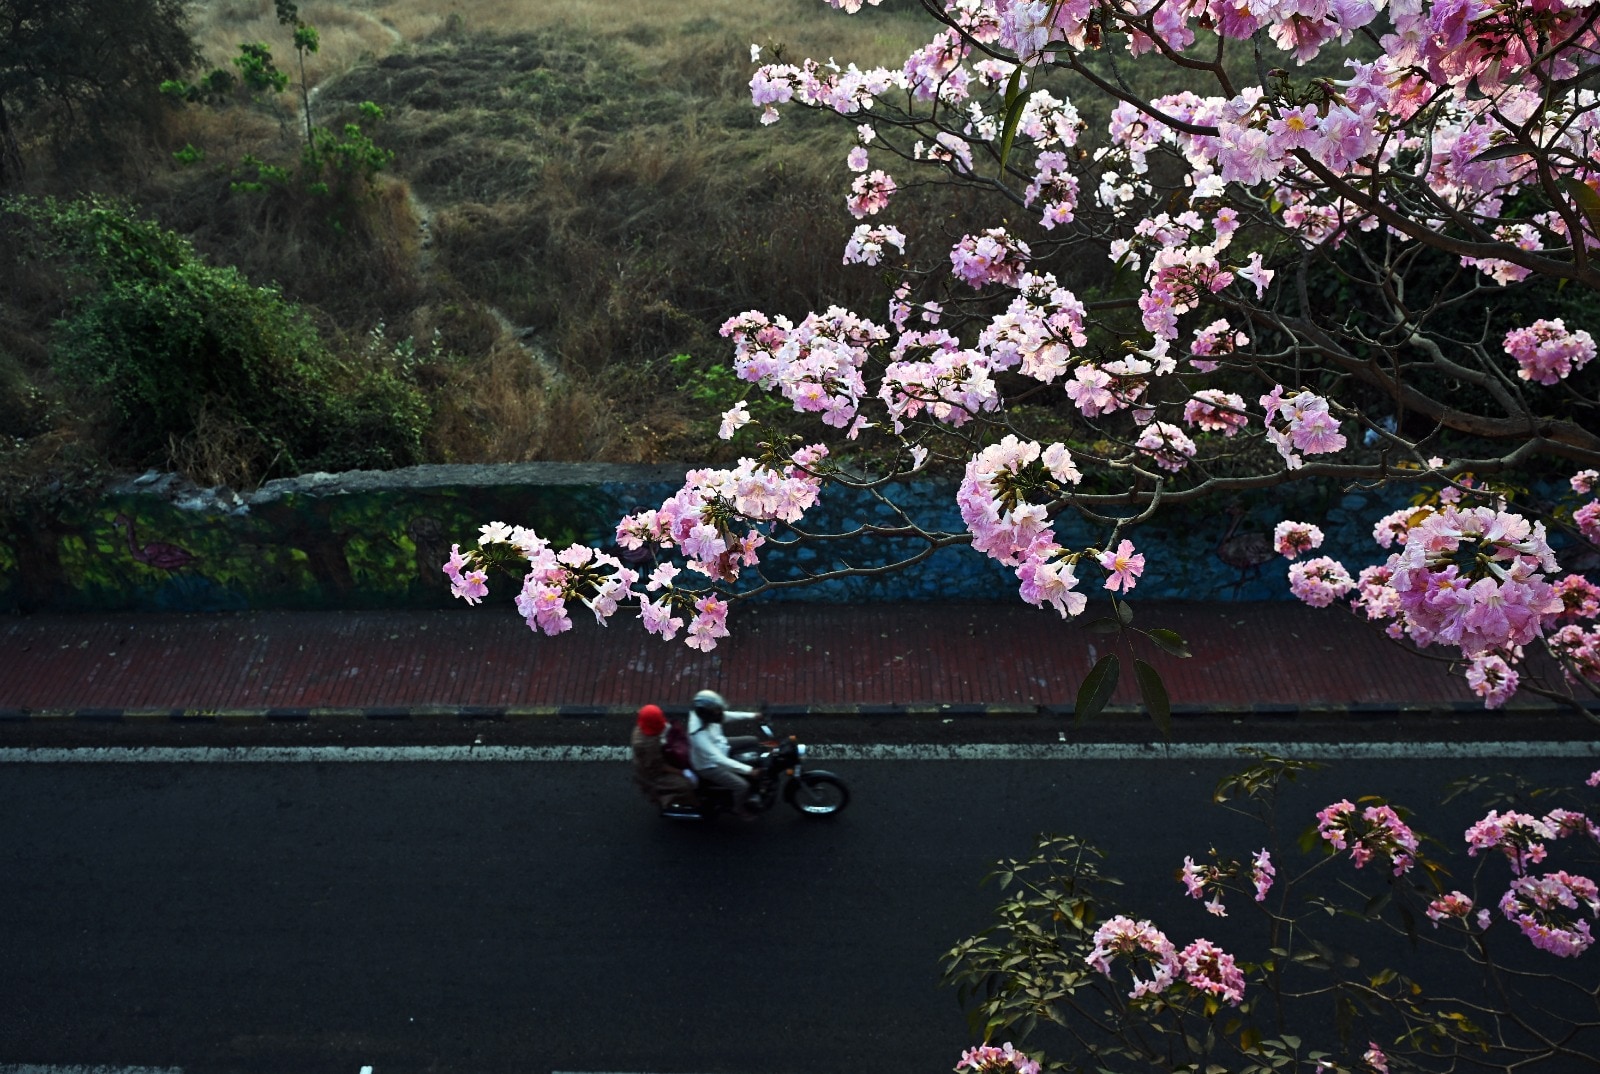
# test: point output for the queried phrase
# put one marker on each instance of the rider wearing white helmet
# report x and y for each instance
(709, 748)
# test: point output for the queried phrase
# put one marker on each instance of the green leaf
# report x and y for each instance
(1016, 101)
(1124, 611)
(1104, 625)
(1154, 693)
(1504, 150)
(1586, 199)
(1170, 642)
(1098, 687)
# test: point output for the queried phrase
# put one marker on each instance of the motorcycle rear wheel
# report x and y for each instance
(819, 794)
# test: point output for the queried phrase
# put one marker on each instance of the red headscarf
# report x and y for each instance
(652, 721)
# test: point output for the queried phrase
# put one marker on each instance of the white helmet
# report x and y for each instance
(709, 701)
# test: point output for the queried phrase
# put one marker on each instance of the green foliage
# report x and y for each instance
(189, 155)
(344, 163)
(76, 66)
(171, 345)
(712, 388)
(256, 176)
(257, 70)
(337, 165)
(217, 86)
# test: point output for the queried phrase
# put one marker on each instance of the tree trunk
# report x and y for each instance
(10, 151)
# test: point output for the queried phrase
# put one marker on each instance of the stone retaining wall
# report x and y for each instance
(375, 540)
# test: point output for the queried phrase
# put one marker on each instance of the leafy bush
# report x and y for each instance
(170, 345)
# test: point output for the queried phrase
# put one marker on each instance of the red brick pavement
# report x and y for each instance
(824, 656)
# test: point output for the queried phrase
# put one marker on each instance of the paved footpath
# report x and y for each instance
(831, 659)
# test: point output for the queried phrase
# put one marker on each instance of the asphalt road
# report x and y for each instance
(538, 917)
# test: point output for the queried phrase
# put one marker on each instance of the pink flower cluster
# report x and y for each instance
(816, 364)
(1306, 426)
(1202, 965)
(1143, 945)
(929, 373)
(1167, 445)
(867, 244)
(1587, 519)
(1547, 352)
(1492, 679)
(1202, 880)
(1544, 908)
(1214, 410)
(992, 256)
(577, 572)
(1454, 905)
(1009, 528)
(1055, 188)
(1374, 832)
(1038, 332)
(1216, 338)
(1578, 650)
(1207, 968)
(870, 194)
(1474, 578)
(1319, 582)
(1262, 873)
(468, 582)
(1521, 837)
(988, 1059)
(1292, 538)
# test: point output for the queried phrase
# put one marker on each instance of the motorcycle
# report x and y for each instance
(781, 773)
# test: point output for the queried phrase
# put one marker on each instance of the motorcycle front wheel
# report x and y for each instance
(818, 794)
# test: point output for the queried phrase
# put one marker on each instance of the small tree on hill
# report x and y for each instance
(66, 64)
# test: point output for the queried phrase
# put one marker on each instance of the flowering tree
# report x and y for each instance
(1321, 259)
(1493, 979)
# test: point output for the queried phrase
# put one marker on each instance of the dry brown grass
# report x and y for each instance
(595, 177)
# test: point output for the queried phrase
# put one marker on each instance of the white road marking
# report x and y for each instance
(32, 1068)
(817, 754)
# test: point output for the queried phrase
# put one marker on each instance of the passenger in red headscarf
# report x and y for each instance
(657, 779)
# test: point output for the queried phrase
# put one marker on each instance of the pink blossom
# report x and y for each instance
(1519, 836)
(1545, 909)
(1124, 567)
(992, 256)
(1262, 873)
(734, 420)
(1144, 946)
(867, 244)
(1319, 582)
(987, 1059)
(1453, 905)
(857, 159)
(471, 587)
(1492, 679)
(869, 194)
(1167, 445)
(1375, 1059)
(1587, 519)
(1376, 831)
(1207, 968)
(1546, 352)
(1292, 538)
(1214, 410)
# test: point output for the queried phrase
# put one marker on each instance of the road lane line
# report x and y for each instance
(818, 754)
(33, 1068)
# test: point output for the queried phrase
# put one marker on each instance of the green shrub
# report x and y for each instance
(171, 345)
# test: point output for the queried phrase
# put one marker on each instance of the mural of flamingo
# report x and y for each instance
(1245, 552)
(158, 554)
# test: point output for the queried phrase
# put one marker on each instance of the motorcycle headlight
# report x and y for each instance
(800, 752)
